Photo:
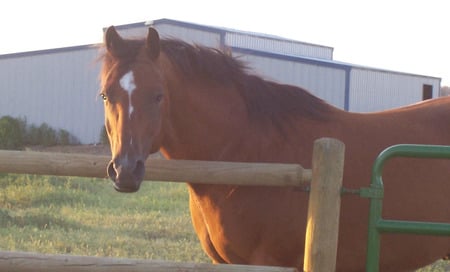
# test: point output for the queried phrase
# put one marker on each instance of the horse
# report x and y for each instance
(198, 103)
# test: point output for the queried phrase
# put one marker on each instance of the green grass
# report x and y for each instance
(87, 217)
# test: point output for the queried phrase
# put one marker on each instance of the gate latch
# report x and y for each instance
(371, 192)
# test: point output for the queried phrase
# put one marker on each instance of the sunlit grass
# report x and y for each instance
(87, 217)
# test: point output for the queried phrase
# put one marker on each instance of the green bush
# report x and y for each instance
(65, 138)
(15, 134)
(32, 136)
(48, 135)
(12, 131)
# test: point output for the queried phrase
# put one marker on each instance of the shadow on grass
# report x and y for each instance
(40, 221)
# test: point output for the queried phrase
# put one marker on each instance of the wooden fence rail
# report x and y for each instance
(35, 262)
(63, 164)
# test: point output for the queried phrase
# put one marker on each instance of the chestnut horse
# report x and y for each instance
(197, 103)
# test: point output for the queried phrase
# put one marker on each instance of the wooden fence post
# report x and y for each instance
(324, 206)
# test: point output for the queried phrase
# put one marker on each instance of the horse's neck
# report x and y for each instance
(203, 122)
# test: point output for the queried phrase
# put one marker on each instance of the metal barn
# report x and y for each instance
(59, 86)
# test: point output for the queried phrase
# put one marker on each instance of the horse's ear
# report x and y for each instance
(115, 45)
(152, 44)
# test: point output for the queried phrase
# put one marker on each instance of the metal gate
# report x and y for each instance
(378, 225)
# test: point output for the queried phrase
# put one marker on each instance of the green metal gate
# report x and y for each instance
(378, 225)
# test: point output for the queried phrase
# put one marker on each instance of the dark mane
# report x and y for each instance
(265, 100)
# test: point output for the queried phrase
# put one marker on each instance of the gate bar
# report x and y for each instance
(377, 225)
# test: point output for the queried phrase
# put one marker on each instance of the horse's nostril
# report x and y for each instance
(111, 171)
(126, 177)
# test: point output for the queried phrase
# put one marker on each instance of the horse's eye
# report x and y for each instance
(103, 96)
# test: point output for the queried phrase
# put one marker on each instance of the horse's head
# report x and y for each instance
(133, 94)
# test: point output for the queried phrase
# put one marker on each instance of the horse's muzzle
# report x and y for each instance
(126, 177)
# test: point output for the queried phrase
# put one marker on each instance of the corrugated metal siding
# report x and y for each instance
(134, 32)
(193, 36)
(57, 88)
(218, 36)
(324, 82)
(280, 46)
(377, 90)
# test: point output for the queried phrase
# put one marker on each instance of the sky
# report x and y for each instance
(408, 36)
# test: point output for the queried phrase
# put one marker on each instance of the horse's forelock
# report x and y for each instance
(111, 62)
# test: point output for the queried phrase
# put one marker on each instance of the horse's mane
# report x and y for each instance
(265, 100)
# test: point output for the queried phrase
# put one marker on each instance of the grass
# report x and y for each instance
(87, 217)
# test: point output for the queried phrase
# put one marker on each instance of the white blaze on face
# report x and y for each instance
(127, 83)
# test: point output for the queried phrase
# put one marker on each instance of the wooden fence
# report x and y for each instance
(35, 262)
(63, 164)
(325, 180)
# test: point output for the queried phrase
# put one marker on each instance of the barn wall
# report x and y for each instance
(203, 36)
(376, 90)
(327, 82)
(276, 45)
(193, 36)
(219, 37)
(58, 87)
